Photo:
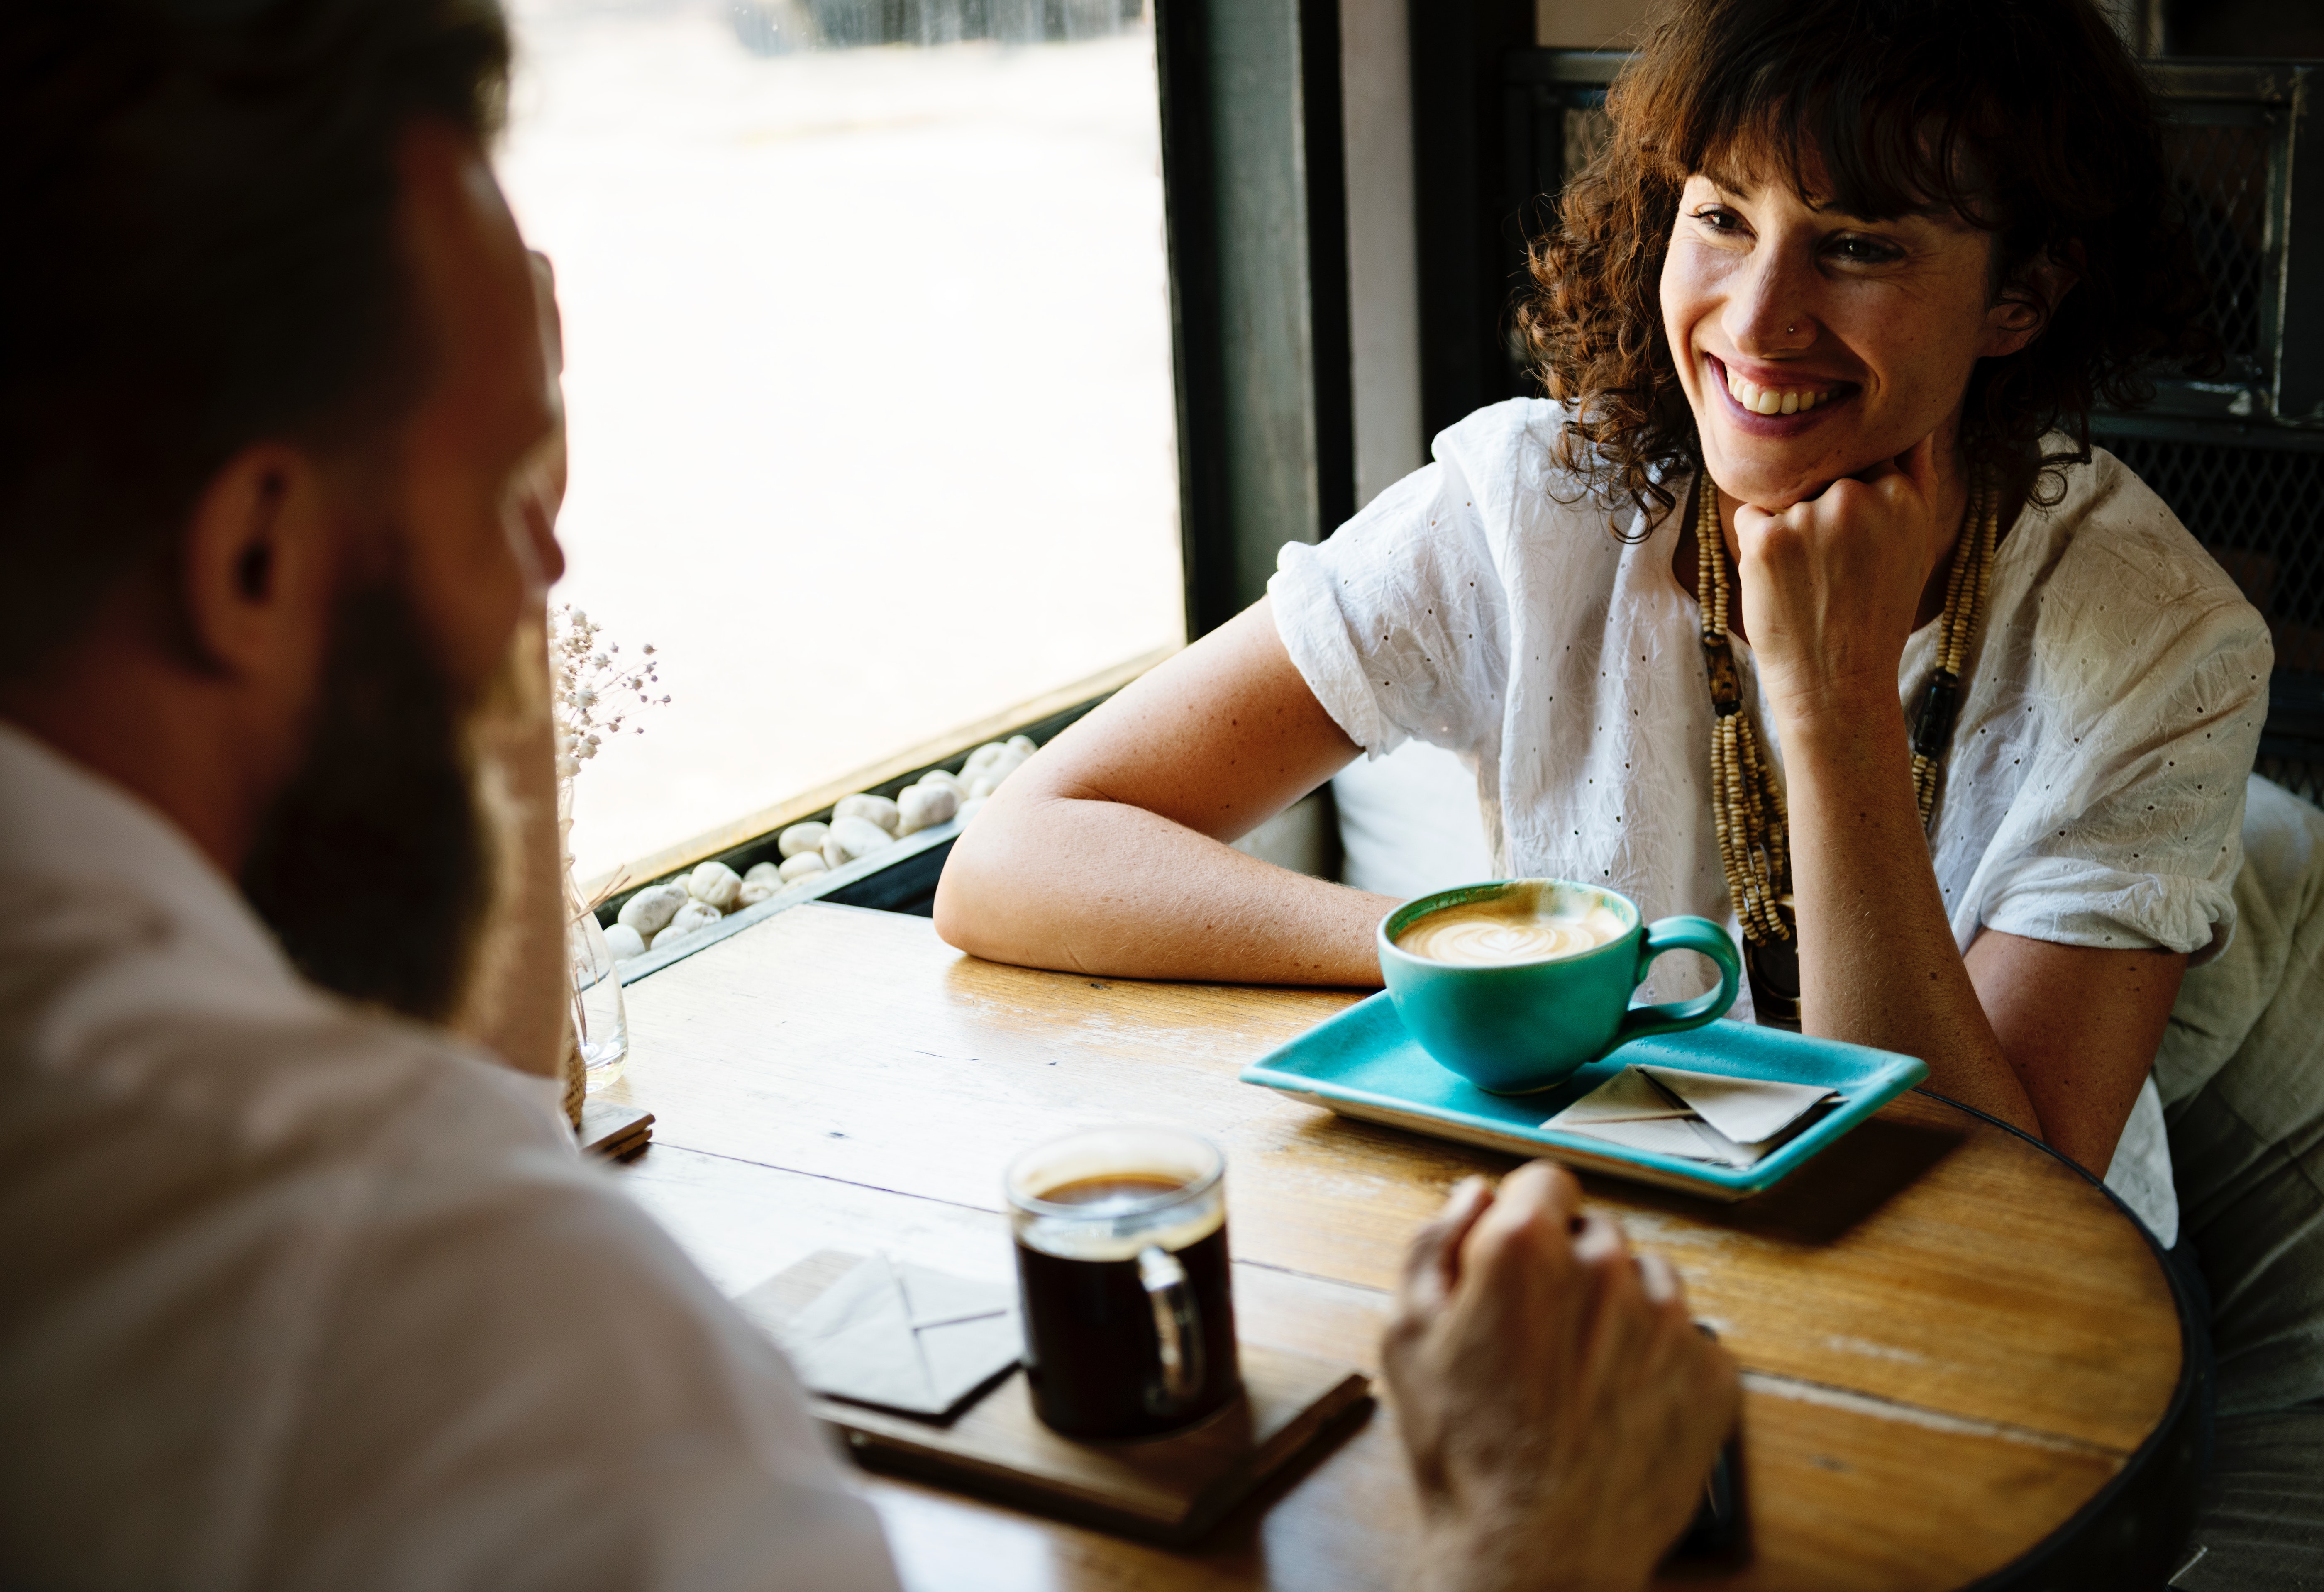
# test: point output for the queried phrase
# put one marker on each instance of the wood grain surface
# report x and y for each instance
(1168, 1490)
(1951, 1339)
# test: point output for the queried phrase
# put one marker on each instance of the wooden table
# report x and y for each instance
(1954, 1343)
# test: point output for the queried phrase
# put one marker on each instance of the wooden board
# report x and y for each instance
(1171, 1489)
(613, 1130)
(1952, 1341)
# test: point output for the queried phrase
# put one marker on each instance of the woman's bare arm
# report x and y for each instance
(2053, 1039)
(1107, 852)
(2080, 1026)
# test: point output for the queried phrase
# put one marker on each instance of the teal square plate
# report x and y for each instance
(1362, 1063)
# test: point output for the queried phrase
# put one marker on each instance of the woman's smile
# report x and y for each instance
(1778, 405)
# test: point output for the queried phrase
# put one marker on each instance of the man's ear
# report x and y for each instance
(2029, 299)
(253, 575)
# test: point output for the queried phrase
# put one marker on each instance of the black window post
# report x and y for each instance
(1256, 205)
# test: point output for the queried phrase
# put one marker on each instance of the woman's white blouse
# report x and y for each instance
(2093, 796)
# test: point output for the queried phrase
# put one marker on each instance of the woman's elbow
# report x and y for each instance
(973, 895)
(960, 908)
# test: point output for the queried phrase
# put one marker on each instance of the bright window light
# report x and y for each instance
(868, 373)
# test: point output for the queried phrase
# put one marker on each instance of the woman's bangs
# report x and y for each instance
(1840, 140)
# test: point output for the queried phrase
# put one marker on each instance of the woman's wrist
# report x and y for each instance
(1851, 714)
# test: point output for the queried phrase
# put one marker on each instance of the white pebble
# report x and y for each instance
(877, 808)
(856, 837)
(802, 837)
(806, 865)
(762, 873)
(926, 805)
(713, 884)
(625, 942)
(1022, 745)
(834, 855)
(947, 779)
(982, 758)
(692, 919)
(988, 778)
(648, 911)
(756, 890)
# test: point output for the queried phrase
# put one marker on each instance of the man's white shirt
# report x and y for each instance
(293, 1295)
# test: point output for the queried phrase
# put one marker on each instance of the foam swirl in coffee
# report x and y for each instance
(1519, 925)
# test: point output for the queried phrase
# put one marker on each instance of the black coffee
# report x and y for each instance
(1095, 1349)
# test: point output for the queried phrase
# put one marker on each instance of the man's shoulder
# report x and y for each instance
(167, 1098)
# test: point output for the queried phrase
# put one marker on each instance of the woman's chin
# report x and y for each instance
(1772, 484)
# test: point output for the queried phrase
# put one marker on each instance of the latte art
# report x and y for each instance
(1510, 928)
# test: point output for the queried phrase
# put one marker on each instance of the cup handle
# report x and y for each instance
(1177, 1328)
(1684, 933)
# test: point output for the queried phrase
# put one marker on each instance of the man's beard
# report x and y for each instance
(375, 864)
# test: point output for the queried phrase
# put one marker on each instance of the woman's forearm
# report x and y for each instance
(1104, 887)
(1879, 965)
(1107, 852)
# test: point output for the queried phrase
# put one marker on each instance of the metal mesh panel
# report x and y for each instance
(2260, 513)
(2221, 175)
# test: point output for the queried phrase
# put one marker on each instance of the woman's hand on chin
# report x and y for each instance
(1833, 587)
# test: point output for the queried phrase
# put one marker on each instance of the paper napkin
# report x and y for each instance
(1698, 1116)
(905, 1338)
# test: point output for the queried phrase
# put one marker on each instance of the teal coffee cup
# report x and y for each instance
(1518, 983)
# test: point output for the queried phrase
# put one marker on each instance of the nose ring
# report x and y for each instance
(1789, 330)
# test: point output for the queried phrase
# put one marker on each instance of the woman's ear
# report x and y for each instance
(2023, 308)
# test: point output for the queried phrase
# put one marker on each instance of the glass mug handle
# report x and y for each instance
(1177, 1328)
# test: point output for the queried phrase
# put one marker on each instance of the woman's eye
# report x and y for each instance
(1863, 251)
(1720, 218)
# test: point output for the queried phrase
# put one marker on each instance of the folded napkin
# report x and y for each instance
(904, 1338)
(1699, 1115)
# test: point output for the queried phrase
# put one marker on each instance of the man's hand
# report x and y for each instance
(1559, 1406)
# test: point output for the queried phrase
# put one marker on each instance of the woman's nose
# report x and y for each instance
(1771, 313)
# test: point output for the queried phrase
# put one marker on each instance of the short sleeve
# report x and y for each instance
(1397, 623)
(2128, 834)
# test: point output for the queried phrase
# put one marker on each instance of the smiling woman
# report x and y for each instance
(1822, 324)
(1910, 173)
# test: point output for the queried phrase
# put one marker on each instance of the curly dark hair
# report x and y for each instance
(2027, 117)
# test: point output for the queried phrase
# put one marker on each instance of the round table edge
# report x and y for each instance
(2150, 1503)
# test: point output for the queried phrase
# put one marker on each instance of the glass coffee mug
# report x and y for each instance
(1121, 1263)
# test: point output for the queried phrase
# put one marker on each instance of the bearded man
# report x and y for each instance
(306, 1285)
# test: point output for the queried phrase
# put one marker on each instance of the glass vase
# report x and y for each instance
(601, 1026)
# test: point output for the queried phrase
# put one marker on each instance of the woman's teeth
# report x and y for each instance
(1774, 401)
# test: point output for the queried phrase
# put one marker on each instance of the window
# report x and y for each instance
(868, 373)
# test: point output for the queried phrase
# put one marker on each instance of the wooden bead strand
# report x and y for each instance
(1747, 807)
(1747, 804)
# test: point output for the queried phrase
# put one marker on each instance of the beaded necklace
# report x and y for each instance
(1747, 806)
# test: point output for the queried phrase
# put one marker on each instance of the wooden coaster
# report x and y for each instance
(614, 1132)
(1169, 1490)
